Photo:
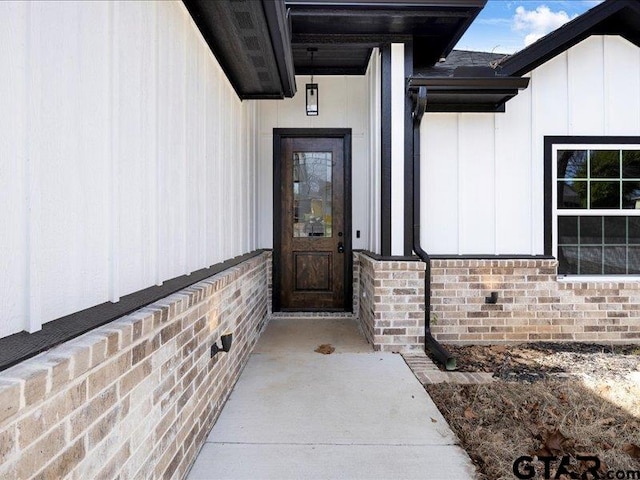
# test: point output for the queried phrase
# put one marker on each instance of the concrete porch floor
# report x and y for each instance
(352, 414)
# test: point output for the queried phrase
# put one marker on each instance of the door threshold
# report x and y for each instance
(313, 315)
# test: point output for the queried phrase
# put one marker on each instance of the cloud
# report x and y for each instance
(537, 23)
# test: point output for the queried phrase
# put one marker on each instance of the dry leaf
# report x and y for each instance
(469, 414)
(325, 349)
(632, 450)
(433, 420)
(555, 441)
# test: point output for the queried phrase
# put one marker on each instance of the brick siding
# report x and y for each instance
(532, 305)
(392, 304)
(135, 398)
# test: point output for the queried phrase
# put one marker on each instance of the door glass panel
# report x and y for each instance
(312, 193)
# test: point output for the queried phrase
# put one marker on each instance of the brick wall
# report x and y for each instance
(532, 304)
(135, 398)
(392, 304)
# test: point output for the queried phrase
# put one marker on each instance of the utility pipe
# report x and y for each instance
(438, 351)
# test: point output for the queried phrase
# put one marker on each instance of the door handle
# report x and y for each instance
(340, 247)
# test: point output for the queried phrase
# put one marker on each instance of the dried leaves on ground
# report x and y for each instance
(497, 423)
(561, 400)
(325, 349)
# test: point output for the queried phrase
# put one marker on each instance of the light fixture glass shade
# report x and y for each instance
(312, 99)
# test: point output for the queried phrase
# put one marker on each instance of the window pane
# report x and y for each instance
(312, 189)
(572, 194)
(590, 230)
(605, 163)
(633, 261)
(590, 260)
(572, 164)
(634, 230)
(568, 260)
(615, 230)
(631, 195)
(605, 195)
(615, 260)
(568, 230)
(631, 164)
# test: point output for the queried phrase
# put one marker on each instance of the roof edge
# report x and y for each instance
(565, 37)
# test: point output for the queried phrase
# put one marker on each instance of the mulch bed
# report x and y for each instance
(538, 361)
(561, 400)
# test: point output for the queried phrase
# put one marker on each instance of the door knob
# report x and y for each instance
(340, 247)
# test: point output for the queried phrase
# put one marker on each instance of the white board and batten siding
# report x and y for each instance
(344, 102)
(126, 158)
(482, 173)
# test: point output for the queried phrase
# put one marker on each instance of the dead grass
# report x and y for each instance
(498, 422)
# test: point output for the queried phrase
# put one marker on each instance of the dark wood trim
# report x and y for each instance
(408, 152)
(21, 346)
(549, 142)
(548, 198)
(385, 152)
(278, 134)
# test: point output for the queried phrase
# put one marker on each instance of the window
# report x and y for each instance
(596, 205)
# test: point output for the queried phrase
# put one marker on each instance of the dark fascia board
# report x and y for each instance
(490, 107)
(275, 18)
(279, 26)
(388, 3)
(565, 37)
(461, 31)
(471, 87)
(470, 83)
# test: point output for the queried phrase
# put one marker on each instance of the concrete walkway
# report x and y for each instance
(352, 414)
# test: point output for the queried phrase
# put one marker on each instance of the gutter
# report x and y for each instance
(430, 343)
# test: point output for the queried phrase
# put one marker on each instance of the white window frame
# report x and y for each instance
(567, 212)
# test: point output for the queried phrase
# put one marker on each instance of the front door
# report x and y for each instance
(312, 227)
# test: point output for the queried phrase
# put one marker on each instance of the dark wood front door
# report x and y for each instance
(312, 241)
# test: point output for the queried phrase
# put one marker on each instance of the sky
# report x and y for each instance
(506, 26)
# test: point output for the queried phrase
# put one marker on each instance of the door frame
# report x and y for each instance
(345, 135)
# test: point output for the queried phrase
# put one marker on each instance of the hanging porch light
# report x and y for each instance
(312, 90)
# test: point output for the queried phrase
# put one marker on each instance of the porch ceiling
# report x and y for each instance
(345, 32)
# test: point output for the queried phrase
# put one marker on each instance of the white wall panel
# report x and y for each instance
(592, 89)
(512, 178)
(621, 95)
(14, 180)
(125, 155)
(343, 104)
(72, 155)
(586, 87)
(476, 170)
(439, 183)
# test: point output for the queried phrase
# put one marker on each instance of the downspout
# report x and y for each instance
(430, 343)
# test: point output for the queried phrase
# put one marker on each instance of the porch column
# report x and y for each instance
(393, 150)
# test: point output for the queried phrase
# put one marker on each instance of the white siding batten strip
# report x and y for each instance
(32, 150)
(113, 107)
(459, 182)
(397, 149)
(155, 164)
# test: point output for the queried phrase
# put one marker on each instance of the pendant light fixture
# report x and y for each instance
(312, 89)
